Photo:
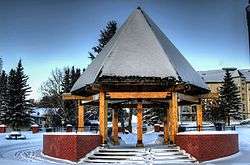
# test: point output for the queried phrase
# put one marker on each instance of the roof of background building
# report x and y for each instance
(218, 75)
(139, 49)
(246, 73)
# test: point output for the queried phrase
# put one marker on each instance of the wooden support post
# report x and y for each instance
(102, 117)
(199, 117)
(174, 117)
(166, 126)
(80, 117)
(115, 127)
(139, 124)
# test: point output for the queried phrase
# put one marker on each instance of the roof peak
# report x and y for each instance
(139, 8)
(139, 49)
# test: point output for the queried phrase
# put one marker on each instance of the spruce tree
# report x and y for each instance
(70, 77)
(11, 101)
(66, 81)
(19, 106)
(105, 36)
(229, 101)
(1, 65)
(3, 97)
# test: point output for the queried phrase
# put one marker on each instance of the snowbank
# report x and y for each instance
(71, 133)
(206, 132)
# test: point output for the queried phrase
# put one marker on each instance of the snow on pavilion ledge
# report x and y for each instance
(206, 132)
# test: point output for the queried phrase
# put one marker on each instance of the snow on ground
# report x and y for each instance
(23, 152)
(148, 138)
(28, 152)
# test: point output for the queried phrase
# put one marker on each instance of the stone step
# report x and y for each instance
(165, 150)
(148, 155)
(118, 153)
(114, 161)
(178, 161)
(116, 157)
(120, 150)
(171, 157)
(167, 153)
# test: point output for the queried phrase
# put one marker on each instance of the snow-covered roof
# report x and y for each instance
(246, 73)
(215, 76)
(139, 48)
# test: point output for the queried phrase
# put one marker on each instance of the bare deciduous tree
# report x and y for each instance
(51, 91)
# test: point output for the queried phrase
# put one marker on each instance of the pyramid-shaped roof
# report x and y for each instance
(140, 49)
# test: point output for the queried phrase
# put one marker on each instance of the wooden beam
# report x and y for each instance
(69, 96)
(80, 117)
(138, 95)
(135, 106)
(174, 117)
(209, 96)
(193, 99)
(199, 117)
(139, 125)
(102, 117)
(115, 126)
(166, 125)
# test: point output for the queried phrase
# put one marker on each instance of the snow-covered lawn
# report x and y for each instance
(23, 152)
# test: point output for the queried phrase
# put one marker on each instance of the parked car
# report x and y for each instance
(245, 122)
(15, 136)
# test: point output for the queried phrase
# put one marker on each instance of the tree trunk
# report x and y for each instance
(122, 121)
(130, 121)
(228, 120)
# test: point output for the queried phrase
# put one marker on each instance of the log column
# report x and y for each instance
(166, 125)
(80, 117)
(103, 116)
(199, 117)
(115, 127)
(139, 124)
(173, 117)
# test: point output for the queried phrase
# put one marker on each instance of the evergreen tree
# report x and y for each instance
(66, 81)
(229, 101)
(11, 101)
(3, 97)
(1, 65)
(19, 106)
(70, 77)
(105, 36)
(153, 116)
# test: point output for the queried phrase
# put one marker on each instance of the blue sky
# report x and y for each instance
(47, 34)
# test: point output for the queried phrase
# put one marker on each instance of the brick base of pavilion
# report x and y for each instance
(202, 146)
(206, 147)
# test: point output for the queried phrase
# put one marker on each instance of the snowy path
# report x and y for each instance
(23, 151)
(28, 152)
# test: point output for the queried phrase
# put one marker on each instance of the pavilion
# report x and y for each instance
(139, 68)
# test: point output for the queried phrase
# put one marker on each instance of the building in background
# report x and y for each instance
(214, 79)
(39, 116)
